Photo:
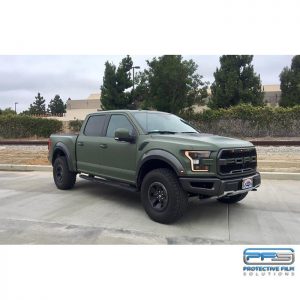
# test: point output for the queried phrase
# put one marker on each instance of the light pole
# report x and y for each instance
(16, 107)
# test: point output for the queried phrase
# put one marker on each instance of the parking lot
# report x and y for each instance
(33, 211)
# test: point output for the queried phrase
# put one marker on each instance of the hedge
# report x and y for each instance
(75, 125)
(248, 121)
(16, 126)
(240, 121)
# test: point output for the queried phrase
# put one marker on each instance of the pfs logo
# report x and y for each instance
(269, 256)
(269, 262)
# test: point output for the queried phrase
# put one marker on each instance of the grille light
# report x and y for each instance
(195, 158)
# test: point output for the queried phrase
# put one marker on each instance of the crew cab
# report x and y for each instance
(158, 154)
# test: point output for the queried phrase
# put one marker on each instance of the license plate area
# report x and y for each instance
(247, 183)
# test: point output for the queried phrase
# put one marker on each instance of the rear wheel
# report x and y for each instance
(233, 198)
(64, 179)
(162, 196)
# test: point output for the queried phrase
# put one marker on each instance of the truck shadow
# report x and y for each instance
(120, 195)
(208, 211)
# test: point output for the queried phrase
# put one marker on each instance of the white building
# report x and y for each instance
(78, 109)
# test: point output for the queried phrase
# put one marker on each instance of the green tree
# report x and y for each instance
(171, 84)
(290, 84)
(116, 82)
(7, 111)
(140, 95)
(25, 113)
(57, 106)
(236, 82)
(38, 107)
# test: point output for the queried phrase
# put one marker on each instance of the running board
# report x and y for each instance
(109, 183)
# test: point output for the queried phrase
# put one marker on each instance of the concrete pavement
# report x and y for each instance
(33, 211)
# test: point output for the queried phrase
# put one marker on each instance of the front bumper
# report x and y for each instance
(217, 187)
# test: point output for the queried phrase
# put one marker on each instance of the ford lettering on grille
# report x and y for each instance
(235, 161)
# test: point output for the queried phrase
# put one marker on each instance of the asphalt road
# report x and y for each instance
(33, 211)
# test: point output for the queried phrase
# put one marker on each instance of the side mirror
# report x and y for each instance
(123, 135)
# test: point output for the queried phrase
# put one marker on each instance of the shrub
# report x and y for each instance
(75, 125)
(248, 121)
(16, 126)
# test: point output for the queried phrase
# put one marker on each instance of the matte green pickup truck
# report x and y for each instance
(157, 154)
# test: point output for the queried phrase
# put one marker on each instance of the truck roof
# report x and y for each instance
(126, 111)
(130, 111)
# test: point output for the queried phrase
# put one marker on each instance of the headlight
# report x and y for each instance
(195, 158)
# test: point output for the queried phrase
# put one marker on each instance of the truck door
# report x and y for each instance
(118, 158)
(88, 150)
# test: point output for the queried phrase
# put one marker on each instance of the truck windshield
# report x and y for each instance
(163, 123)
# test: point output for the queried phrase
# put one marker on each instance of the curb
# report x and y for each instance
(280, 176)
(11, 167)
(48, 168)
(24, 142)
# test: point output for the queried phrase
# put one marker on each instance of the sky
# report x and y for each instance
(77, 76)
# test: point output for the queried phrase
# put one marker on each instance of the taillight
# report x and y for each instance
(49, 144)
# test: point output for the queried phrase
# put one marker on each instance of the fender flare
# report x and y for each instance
(163, 155)
(62, 147)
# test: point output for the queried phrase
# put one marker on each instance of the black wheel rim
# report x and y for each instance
(158, 196)
(59, 173)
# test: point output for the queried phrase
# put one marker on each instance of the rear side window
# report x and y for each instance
(94, 126)
(118, 121)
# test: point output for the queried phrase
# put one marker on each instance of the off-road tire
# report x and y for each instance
(233, 198)
(177, 199)
(64, 179)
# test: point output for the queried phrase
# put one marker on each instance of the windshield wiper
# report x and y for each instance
(189, 132)
(162, 132)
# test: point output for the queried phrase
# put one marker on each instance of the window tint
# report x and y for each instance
(95, 125)
(141, 117)
(118, 121)
(162, 122)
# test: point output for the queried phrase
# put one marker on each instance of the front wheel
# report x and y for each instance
(64, 179)
(233, 198)
(163, 198)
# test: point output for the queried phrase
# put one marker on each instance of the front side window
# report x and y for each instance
(118, 121)
(94, 126)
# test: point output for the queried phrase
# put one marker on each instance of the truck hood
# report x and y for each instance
(197, 140)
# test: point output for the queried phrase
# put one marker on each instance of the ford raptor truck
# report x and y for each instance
(157, 154)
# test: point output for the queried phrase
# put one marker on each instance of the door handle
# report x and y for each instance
(103, 146)
(80, 143)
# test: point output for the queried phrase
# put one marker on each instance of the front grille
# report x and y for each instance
(238, 160)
